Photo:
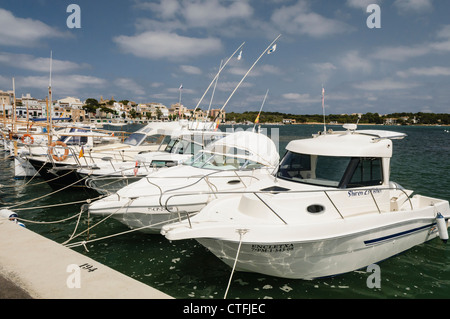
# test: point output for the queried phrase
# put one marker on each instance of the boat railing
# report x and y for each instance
(167, 206)
(208, 179)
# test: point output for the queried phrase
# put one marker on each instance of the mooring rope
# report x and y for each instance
(61, 204)
(83, 243)
(54, 192)
(241, 232)
(101, 221)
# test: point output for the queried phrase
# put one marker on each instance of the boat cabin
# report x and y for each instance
(342, 160)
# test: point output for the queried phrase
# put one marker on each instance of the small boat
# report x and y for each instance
(229, 164)
(329, 208)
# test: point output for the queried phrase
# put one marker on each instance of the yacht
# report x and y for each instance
(328, 209)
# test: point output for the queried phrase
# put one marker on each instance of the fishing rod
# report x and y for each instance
(270, 47)
(217, 75)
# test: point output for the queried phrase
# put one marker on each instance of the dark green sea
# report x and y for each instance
(186, 270)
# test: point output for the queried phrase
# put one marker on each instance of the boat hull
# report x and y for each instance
(22, 168)
(147, 219)
(325, 257)
(59, 175)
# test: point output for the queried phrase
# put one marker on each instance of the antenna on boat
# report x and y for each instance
(257, 118)
(212, 96)
(323, 110)
(271, 47)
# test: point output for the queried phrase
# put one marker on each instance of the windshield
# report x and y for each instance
(331, 171)
(224, 162)
(134, 139)
(189, 144)
(75, 140)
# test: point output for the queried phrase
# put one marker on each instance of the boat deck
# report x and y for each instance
(32, 266)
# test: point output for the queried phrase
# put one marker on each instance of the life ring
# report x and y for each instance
(31, 138)
(56, 157)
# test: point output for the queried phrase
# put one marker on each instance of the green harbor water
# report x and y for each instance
(186, 270)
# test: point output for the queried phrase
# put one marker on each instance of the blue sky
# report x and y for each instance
(144, 50)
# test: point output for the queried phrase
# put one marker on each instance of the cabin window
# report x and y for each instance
(367, 172)
(332, 171)
(313, 169)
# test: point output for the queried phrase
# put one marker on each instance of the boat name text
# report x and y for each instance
(272, 248)
(365, 192)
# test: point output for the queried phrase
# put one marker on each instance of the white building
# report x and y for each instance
(71, 102)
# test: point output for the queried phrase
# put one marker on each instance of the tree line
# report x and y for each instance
(404, 118)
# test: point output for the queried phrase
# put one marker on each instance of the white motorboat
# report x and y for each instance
(108, 176)
(330, 208)
(231, 163)
(35, 144)
(58, 163)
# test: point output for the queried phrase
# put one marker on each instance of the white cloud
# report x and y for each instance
(401, 53)
(353, 62)
(184, 91)
(166, 45)
(414, 6)
(29, 62)
(362, 4)
(62, 84)
(129, 85)
(208, 13)
(444, 32)
(443, 46)
(166, 9)
(190, 69)
(384, 85)
(431, 71)
(260, 71)
(323, 70)
(301, 98)
(196, 13)
(22, 32)
(298, 19)
(324, 67)
(228, 86)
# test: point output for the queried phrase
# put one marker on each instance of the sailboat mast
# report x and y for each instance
(13, 116)
(323, 110)
(50, 107)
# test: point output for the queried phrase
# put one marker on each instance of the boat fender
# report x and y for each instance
(29, 138)
(442, 228)
(8, 214)
(56, 157)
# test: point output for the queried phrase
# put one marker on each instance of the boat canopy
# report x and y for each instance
(366, 143)
(255, 147)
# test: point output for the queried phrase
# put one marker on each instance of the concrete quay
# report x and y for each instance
(34, 267)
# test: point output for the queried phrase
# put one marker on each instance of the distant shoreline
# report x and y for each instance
(339, 124)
